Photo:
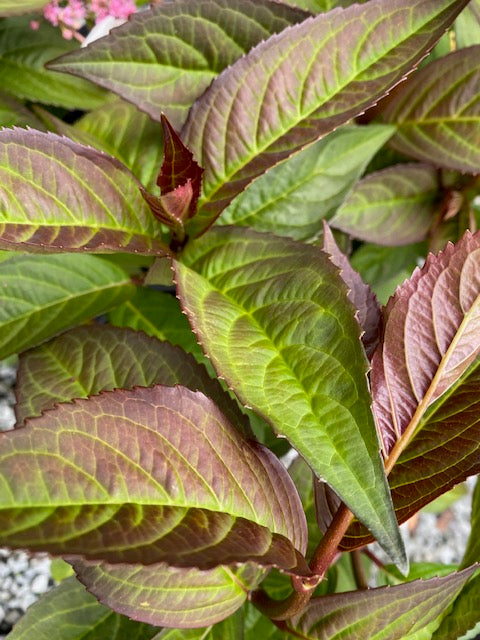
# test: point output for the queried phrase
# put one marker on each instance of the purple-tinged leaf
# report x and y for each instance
(300, 85)
(87, 360)
(437, 112)
(165, 57)
(387, 613)
(42, 295)
(79, 615)
(463, 618)
(369, 315)
(57, 195)
(149, 475)
(308, 378)
(165, 596)
(431, 337)
(395, 206)
(180, 182)
(426, 381)
(121, 130)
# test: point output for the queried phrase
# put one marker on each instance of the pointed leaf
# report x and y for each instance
(426, 380)
(77, 615)
(173, 51)
(122, 131)
(170, 597)
(158, 314)
(394, 206)
(362, 297)
(44, 295)
(387, 613)
(472, 552)
(294, 197)
(464, 616)
(302, 84)
(437, 113)
(57, 195)
(182, 515)
(24, 53)
(308, 378)
(87, 360)
(229, 629)
(180, 181)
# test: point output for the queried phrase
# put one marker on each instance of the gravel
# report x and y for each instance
(25, 577)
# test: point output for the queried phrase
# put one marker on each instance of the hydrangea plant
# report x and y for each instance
(241, 271)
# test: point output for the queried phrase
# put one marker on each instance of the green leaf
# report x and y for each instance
(165, 57)
(258, 626)
(472, 552)
(301, 84)
(24, 52)
(467, 25)
(57, 195)
(88, 360)
(75, 614)
(386, 613)
(12, 7)
(167, 596)
(122, 131)
(419, 570)
(437, 112)
(384, 268)
(229, 629)
(13, 112)
(158, 314)
(426, 379)
(244, 294)
(395, 206)
(44, 295)
(181, 514)
(294, 197)
(463, 616)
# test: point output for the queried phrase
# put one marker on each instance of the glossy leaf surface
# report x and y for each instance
(70, 610)
(44, 295)
(369, 315)
(300, 85)
(165, 596)
(386, 613)
(425, 380)
(24, 52)
(174, 51)
(151, 497)
(437, 112)
(57, 195)
(294, 197)
(395, 206)
(87, 360)
(308, 379)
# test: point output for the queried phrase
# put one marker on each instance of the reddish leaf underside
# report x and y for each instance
(426, 381)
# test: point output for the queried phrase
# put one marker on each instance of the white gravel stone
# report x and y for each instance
(39, 583)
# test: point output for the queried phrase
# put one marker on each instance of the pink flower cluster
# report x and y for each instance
(72, 15)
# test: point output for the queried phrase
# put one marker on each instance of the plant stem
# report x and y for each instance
(304, 587)
(358, 570)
